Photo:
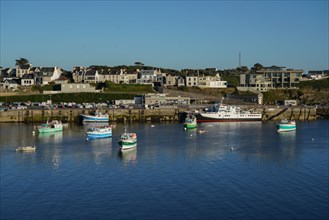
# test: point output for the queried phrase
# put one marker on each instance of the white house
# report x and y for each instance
(192, 80)
(28, 80)
(211, 82)
(61, 80)
(22, 69)
(10, 84)
(78, 74)
(91, 76)
(120, 76)
(148, 76)
(49, 74)
(171, 80)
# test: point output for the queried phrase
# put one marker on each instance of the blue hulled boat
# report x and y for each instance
(96, 117)
(99, 132)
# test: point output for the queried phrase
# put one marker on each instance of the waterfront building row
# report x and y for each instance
(26, 75)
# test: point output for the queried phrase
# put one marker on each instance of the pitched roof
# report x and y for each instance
(25, 66)
(91, 72)
(28, 76)
(62, 78)
(10, 81)
(35, 68)
(48, 69)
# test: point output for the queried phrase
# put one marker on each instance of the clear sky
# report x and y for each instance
(169, 34)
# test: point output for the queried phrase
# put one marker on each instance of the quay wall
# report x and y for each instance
(292, 113)
(73, 115)
(142, 115)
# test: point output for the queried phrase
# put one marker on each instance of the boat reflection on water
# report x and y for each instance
(95, 124)
(287, 137)
(101, 149)
(128, 156)
(101, 142)
(54, 136)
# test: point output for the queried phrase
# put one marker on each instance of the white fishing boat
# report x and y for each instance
(99, 132)
(26, 149)
(286, 125)
(52, 126)
(95, 117)
(226, 113)
(127, 140)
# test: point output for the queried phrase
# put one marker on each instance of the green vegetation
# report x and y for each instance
(272, 96)
(315, 84)
(68, 97)
(125, 88)
(232, 81)
(22, 61)
(111, 92)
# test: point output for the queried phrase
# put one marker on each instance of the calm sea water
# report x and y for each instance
(172, 174)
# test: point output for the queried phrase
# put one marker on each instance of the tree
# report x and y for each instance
(139, 63)
(243, 69)
(258, 66)
(21, 61)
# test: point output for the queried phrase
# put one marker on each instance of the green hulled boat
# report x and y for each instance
(127, 140)
(190, 122)
(50, 127)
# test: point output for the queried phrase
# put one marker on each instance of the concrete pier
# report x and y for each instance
(73, 115)
(143, 115)
(292, 113)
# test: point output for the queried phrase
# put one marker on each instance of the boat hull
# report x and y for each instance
(190, 126)
(26, 149)
(48, 130)
(217, 118)
(93, 135)
(285, 128)
(90, 118)
(126, 145)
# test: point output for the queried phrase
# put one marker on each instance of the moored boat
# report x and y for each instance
(190, 122)
(26, 149)
(95, 117)
(286, 125)
(52, 126)
(226, 113)
(127, 140)
(99, 132)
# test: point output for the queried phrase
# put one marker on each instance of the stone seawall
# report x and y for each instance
(142, 115)
(73, 115)
(292, 113)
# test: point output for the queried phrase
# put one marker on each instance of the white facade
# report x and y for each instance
(28, 80)
(192, 81)
(50, 74)
(148, 76)
(77, 87)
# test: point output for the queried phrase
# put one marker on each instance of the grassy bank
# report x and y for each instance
(310, 93)
(111, 92)
(68, 97)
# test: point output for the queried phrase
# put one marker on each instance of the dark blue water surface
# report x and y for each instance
(233, 171)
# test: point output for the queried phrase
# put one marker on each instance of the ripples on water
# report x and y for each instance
(233, 171)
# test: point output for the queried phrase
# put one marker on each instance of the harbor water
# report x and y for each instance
(232, 171)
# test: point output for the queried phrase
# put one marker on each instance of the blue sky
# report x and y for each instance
(169, 34)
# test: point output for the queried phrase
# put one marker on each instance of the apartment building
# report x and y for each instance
(270, 78)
